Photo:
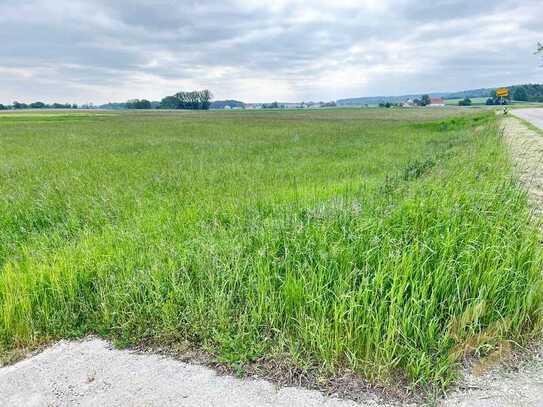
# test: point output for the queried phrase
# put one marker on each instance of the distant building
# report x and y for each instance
(437, 102)
(252, 106)
(291, 105)
(408, 103)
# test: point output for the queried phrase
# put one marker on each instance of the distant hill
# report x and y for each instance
(473, 93)
(375, 100)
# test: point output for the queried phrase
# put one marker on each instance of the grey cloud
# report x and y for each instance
(442, 10)
(99, 51)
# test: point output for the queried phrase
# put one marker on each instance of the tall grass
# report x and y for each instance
(390, 244)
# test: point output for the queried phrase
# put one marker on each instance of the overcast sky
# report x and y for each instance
(262, 50)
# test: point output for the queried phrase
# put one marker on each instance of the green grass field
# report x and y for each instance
(393, 243)
(474, 101)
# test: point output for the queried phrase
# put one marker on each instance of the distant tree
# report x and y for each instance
(274, 105)
(2, 107)
(329, 104)
(520, 94)
(464, 102)
(195, 100)
(61, 106)
(170, 102)
(490, 102)
(534, 92)
(425, 100)
(144, 104)
(74, 106)
(205, 99)
(17, 105)
(220, 104)
(38, 105)
(138, 104)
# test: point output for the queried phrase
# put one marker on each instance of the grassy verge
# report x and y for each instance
(387, 243)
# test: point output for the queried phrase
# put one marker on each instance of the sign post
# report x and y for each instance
(502, 93)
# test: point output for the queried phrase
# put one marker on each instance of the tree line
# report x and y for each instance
(519, 93)
(138, 104)
(37, 105)
(193, 100)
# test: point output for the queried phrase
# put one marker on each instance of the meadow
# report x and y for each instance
(390, 243)
(474, 101)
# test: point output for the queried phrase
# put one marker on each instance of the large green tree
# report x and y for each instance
(170, 102)
(195, 100)
(520, 94)
(38, 105)
(425, 100)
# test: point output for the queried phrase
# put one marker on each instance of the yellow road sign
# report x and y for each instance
(502, 92)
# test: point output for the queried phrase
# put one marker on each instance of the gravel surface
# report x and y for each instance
(92, 373)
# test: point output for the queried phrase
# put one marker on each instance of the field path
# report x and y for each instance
(92, 373)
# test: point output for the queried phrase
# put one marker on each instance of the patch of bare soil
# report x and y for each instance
(516, 382)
